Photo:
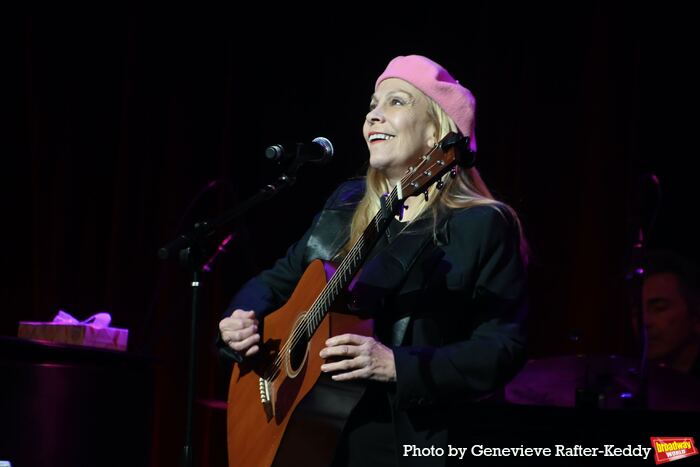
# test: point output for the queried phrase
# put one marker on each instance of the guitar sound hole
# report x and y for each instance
(297, 354)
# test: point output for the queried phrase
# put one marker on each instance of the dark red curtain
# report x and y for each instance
(123, 131)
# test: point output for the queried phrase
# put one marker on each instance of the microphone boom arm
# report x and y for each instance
(193, 249)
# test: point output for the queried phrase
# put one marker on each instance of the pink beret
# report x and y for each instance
(435, 82)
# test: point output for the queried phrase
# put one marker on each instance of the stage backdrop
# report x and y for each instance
(125, 130)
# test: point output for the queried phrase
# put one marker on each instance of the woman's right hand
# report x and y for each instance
(240, 332)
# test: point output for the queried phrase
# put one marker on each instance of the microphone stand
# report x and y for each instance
(635, 278)
(192, 249)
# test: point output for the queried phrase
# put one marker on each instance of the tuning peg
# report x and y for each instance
(453, 173)
(425, 194)
(440, 185)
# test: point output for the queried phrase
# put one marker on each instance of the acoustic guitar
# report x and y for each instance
(281, 409)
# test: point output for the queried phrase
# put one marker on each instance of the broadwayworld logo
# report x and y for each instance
(671, 449)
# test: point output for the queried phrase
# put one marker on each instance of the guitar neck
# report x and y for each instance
(429, 169)
(353, 261)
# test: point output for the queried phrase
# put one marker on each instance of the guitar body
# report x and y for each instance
(282, 410)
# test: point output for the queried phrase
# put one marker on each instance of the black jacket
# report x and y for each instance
(452, 307)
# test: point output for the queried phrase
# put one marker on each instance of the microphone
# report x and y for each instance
(320, 151)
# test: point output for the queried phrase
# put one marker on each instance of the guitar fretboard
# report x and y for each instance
(351, 264)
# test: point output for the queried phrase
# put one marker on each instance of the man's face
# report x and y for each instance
(669, 323)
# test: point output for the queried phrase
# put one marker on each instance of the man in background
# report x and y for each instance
(671, 306)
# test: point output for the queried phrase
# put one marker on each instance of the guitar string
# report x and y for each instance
(328, 290)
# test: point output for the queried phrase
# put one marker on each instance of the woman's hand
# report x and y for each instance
(240, 332)
(362, 358)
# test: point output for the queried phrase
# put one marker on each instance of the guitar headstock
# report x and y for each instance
(452, 150)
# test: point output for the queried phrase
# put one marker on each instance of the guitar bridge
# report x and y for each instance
(266, 398)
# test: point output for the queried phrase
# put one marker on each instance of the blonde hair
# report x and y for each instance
(464, 191)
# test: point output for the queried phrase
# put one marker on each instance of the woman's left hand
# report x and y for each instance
(362, 358)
